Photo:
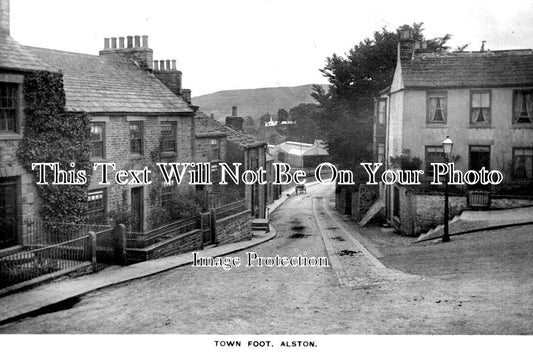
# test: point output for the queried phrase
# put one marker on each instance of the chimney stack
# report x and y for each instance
(234, 121)
(186, 95)
(406, 43)
(4, 17)
(142, 55)
(166, 72)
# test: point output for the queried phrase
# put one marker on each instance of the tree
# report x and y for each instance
(347, 108)
(306, 128)
(283, 115)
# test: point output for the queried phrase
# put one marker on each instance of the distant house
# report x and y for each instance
(482, 100)
(210, 145)
(136, 120)
(217, 143)
(251, 153)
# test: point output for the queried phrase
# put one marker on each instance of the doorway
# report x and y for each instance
(8, 213)
(479, 157)
(137, 208)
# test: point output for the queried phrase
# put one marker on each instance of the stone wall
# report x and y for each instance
(186, 242)
(421, 212)
(203, 149)
(499, 202)
(234, 228)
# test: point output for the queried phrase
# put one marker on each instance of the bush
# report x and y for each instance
(405, 161)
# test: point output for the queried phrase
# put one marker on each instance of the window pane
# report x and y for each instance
(476, 100)
(136, 137)
(8, 106)
(523, 163)
(523, 107)
(434, 154)
(485, 100)
(436, 107)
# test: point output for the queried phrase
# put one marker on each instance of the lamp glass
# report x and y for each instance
(447, 145)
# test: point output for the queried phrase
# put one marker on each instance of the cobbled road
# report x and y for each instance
(355, 294)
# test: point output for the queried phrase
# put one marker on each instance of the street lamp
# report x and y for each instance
(447, 146)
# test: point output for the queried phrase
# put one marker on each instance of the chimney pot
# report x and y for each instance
(173, 64)
(145, 41)
(4, 17)
(233, 111)
(137, 41)
(113, 42)
(106, 43)
(121, 42)
(156, 65)
(167, 64)
(161, 65)
(130, 41)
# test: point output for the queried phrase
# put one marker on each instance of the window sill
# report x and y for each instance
(480, 126)
(99, 159)
(10, 136)
(521, 126)
(439, 125)
(136, 156)
(168, 154)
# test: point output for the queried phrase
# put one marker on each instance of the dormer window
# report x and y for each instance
(436, 104)
(523, 107)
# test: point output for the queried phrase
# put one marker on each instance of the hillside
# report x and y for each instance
(253, 102)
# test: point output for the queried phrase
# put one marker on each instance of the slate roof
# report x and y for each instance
(98, 84)
(469, 69)
(207, 127)
(242, 139)
(14, 56)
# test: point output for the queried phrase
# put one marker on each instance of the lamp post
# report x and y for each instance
(447, 146)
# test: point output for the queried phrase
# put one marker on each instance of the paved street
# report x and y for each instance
(477, 284)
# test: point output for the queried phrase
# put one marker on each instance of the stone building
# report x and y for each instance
(482, 100)
(136, 120)
(251, 153)
(18, 195)
(210, 146)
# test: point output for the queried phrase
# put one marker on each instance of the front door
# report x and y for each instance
(8, 213)
(137, 208)
(479, 158)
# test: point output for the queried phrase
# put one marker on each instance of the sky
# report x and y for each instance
(242, 44)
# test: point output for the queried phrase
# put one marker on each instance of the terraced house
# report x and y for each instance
(18, 196)
(482, 100)
(136, 120)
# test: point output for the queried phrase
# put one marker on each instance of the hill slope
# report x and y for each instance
(254, 102)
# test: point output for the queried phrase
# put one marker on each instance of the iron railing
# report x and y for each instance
(35, 262)
(42, 233)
